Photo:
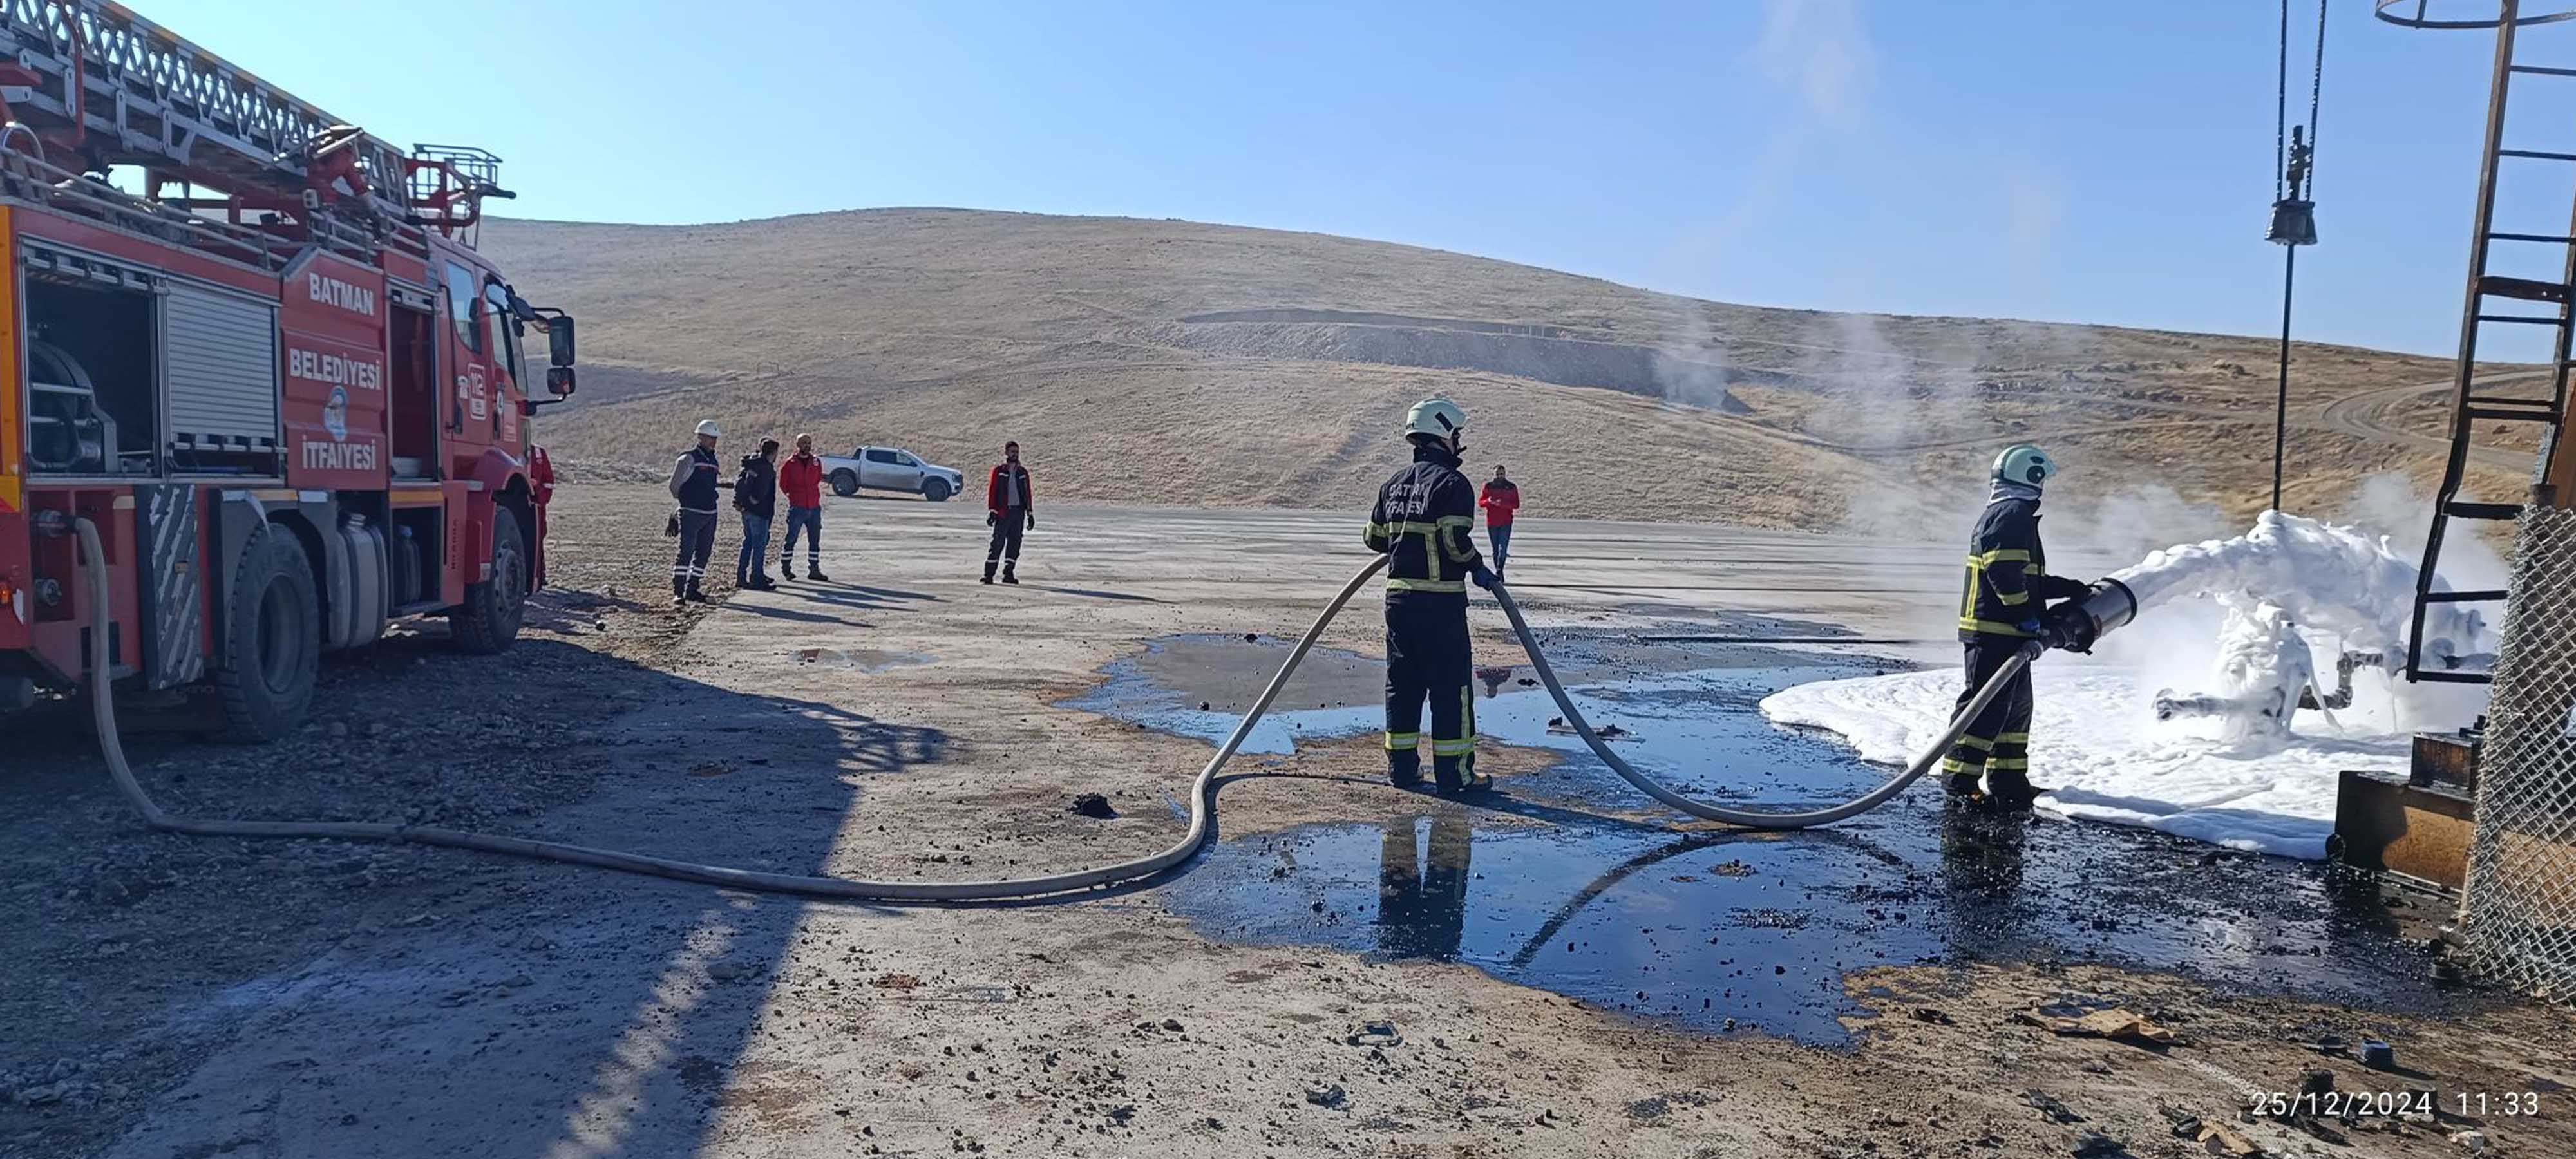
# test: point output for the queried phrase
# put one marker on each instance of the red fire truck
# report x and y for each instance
(254, 345)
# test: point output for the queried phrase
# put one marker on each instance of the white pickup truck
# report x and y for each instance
(891, 469)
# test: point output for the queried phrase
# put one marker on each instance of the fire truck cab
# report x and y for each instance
(278, 377)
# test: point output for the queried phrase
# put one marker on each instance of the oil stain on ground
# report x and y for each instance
(1719, 929)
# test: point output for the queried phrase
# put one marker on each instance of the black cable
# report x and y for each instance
(2281, 111)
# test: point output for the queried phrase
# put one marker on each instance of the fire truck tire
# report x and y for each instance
(488, 621)
(845, 483)
(273, 641)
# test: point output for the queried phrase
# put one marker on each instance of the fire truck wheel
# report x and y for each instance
(273, 641)
(488, 620)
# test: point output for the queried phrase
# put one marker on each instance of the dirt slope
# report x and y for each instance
(1203, 365)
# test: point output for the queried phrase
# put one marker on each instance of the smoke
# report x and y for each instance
(1820, 50)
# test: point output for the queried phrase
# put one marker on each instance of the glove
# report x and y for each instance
(1484, 577)
(1033, 521)
(2032, 628)
(990, 518)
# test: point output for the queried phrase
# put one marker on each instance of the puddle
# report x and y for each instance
(859, 659)
(1718, 928)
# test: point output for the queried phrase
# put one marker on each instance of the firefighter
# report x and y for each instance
(693, 483)
(1009, 509)
(1425, 522)
(2000, 606)
(800, 478)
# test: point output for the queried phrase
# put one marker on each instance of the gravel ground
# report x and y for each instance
(178, 996)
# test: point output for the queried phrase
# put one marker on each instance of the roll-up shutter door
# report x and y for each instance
(221, 350)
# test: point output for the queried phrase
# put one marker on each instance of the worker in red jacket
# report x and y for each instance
(1500, 498)
(801, 478)
(1009, 509)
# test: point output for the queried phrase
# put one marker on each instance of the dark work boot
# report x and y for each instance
(787, 569)
(2011, 789)
(1457, 775)
(814, 571)
(695, 595)
(1007, 573)
(1963, 786)
(1404, 769)
(988, 571)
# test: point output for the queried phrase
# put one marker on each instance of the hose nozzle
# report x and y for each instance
(2076, 624)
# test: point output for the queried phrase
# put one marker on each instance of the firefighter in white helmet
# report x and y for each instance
(693, 486)
(2000, 606)
(1424, 522)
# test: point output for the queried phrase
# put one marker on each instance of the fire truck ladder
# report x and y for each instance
(91, 84)
(2475, 400)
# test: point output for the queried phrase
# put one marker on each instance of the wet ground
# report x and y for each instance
(1568, 881)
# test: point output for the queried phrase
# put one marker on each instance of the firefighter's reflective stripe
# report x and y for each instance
(2013, 738)
(1400, 741)
(1415, 585)
(1458, 548)
(1976, 743)
(2008, 764)
(1991, 627)
(1465, 744)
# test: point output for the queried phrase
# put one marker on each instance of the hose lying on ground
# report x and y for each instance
(1202, 790)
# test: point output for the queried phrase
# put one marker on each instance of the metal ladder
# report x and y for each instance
(132, 92)
(2472, 400)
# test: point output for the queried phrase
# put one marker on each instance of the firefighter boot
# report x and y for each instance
(814, 571)
(2010, 788)
(1404, 768)
(989, 565)
(1007, 569)
(787, 569)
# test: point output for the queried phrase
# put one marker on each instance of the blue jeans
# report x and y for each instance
(1502, 537)
(811, 520)
(755, 549)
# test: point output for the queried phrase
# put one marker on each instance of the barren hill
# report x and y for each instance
(1168, 362)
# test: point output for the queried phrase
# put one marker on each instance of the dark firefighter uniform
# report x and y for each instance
(1423, 521)
(2007, 588)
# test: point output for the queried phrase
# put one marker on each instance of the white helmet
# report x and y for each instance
(2025, 464)
(1437, 417)
(707, 429)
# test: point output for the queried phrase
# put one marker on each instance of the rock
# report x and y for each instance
(2049, 1107)
(1329, 1096)
(1203, 706)
(2096, 1145)
(1092, 805)
(1251, 637)
(2474, 1141)
(1375, 1034)
(1172, 1024)
(727, 971)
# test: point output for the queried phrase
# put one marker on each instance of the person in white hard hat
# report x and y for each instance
(693, 484)
(2000, 606)
(1425, 522)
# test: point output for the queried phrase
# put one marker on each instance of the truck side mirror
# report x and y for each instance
(559, 381)
(559, 346)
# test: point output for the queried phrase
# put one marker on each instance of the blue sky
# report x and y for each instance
(2094, 162)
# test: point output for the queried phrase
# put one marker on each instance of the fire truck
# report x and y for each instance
(256, 347)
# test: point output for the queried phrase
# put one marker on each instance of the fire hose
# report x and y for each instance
(2108, 607)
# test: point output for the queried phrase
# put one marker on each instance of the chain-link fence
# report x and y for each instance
(2520, 905)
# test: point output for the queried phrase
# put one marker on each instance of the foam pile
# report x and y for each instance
(2254, 776)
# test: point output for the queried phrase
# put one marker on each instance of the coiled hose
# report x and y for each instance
(1202, 789)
